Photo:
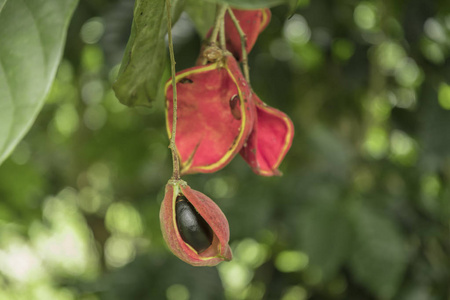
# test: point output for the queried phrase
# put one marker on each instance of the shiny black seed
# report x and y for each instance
(192, 227)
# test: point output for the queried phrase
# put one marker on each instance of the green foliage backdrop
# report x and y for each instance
(361, 212)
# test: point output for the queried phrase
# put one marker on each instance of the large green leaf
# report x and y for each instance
(379, 255)
(2, 3)
(32, 35)
(143, 63)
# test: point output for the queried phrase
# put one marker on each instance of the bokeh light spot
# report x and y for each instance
(291, 261)
(119, 251)
(432, 51)
(92, 30)
(407, 73)
(66, 119)
(444, 96)
(92, 58)
(376, 142)
(92, 92)
(281, 50)
(296, 30)
(177, 292)
(251, 253)
(123, 218)
(365, 15)
(388, 55)
(431, 185)
(90, 200)
(235, 276)
(295, 293)
(94, 117)
(434, 30)
(403, 148)
(343, 49)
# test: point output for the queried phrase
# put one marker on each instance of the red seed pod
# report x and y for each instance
(215, 115)
(252, 23)
(269, 141)
(193, 226)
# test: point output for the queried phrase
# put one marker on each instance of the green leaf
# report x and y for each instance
(2, 3)
(32, 34)
(325, 235)
(252, 4)
(379, 256)
(140, 75)
(202, 14)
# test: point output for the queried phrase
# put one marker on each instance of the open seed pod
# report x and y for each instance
(269, 141)
(193, 226)
(215, 115)
(252, 23)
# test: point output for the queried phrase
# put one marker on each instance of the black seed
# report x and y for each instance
(186, 80)
(192, 227)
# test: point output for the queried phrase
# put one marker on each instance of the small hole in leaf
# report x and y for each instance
(235, 107)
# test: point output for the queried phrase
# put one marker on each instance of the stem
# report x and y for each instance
(243, 44)
(172, 145)
(223, 43)
(220, 16)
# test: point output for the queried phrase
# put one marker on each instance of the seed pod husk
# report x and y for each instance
(252, 23)
(269, 141)
(215, 115)
(209, 253)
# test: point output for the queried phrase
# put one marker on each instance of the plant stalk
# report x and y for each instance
(221, 10)
(172, 145)
(243, 44)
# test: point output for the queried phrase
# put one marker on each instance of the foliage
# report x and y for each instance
(361, 212)
(29, 56)
(142, 67)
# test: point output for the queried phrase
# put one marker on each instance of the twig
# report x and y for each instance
(221, 9)
(223, 43)
(172, 145)
(243, 44)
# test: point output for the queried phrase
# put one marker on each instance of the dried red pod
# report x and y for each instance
(215, 115)
(252, 23)
(269, 141)
(200, 236)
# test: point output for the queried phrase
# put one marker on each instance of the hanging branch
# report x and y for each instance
(243, 44)
(172, 145)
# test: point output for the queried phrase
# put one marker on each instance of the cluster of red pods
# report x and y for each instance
(218, 116)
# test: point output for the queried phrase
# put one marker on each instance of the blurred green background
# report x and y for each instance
(361, 212)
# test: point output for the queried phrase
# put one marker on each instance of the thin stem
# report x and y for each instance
(243, 44)
(218, 25)
(223, 43)
(221, 9)
(172, 145)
